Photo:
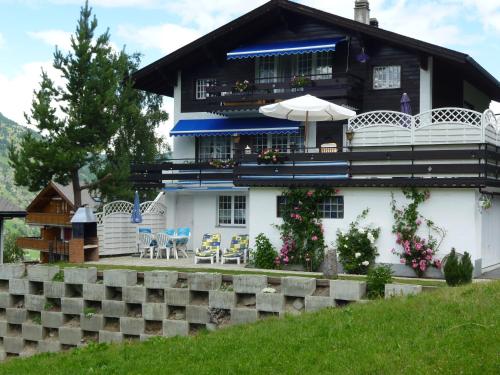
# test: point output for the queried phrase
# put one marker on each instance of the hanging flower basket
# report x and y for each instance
(242, 86)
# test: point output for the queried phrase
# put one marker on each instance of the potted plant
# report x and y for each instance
(242, 86)
(270, 156)
(300, 81)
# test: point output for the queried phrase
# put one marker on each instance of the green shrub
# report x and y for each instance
(58, 276)
(264, 254)
(376, 279)
(466, 269)
(12, 253)
(458, 271)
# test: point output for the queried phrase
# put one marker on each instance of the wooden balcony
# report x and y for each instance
(36, 243)
(48, 218)
(342, 87)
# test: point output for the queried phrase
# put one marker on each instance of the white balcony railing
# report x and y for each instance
(437, 126)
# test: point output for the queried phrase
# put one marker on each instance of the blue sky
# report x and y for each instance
(31, 28)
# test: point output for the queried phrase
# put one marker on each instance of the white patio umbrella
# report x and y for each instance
(307, 108)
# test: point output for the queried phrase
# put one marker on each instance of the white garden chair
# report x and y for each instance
(145, 244)
(164, 243)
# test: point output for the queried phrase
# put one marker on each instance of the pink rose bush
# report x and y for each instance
(417, 252)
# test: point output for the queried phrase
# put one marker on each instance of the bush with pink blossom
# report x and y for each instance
(416, 251)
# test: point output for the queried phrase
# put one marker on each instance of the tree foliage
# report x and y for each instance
(95, 118)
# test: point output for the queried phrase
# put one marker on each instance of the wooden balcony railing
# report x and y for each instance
(224, 94)
(37, 243)
(48, 218)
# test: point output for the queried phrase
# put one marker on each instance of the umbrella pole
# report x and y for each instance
(305, 130)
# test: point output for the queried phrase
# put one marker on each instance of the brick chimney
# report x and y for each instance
(362, 11)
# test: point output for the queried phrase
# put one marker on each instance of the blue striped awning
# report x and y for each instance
(284, 48)
(234, 126)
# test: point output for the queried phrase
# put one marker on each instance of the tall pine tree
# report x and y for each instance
(95, 119)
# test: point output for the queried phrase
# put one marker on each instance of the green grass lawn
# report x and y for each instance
(249, 271)
(448, 331)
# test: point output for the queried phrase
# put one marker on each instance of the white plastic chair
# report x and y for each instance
(145, 244)
(164, 243)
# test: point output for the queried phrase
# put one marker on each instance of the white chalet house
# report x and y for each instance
(449, 143)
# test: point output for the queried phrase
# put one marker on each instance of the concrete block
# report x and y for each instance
(270, 302)
(13, 344)
(242, 315)
(18, 286)
(93, 323)
(197, 314)
(177, 296)
(70, 336)
(33, 302)
(42, 273)
(16, 316)
(154, 311)
(347, 290)
(132, 326)
(134, 294)
(94, 292)
(175, 328)
(250, 284)
(120, 278)
(72, 305)
(52, 319)
(5, 300)
(80, 275)
(110, 337)
(200, 281)
(298, 286)
(315, 303)
(398, 290)
(145, 336)
(12, 271)
(49, 346)
(160, 279)
(54, 289)
(3, 355)
(3, 328)
(33, 332)
(114, 309)
(221, 300)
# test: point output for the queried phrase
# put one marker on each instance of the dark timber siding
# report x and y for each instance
(286, 28)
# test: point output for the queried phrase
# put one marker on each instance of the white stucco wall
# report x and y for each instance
(201, 211)
(490, 239)
(426, 86)
(453, 209)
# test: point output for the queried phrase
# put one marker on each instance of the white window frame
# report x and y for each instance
(212, 140)
(233, 209)
(386, 77)
(201, 85)
(313, 73)
(334, 203)
(290, 137)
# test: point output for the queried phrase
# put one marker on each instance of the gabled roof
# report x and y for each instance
(160, 76)
(65, 192)
(9, 209)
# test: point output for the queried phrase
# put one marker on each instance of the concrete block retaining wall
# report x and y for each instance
(38, 314)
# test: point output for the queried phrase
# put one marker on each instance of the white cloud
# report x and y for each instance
(167, 37)
(59, 38)
(16, 92)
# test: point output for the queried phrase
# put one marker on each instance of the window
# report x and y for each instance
(304, 64)
(282, 142)
(214, 148)
(280, 205)
(232, 210)
(315, 65)
(386, 77)
(201, 88)
(332, 208)
(323, 68)
(266, 69)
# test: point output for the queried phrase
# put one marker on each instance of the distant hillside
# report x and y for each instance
(11, 132)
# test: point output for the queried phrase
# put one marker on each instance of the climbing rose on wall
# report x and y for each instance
(416, 251)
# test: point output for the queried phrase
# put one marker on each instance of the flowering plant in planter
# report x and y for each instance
(242, 86)
(223, 164)
(302, 230)
(270, 156)
(300, 81)
(356, 247)
(417, 252)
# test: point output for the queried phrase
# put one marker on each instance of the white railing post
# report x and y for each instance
(412, 130)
